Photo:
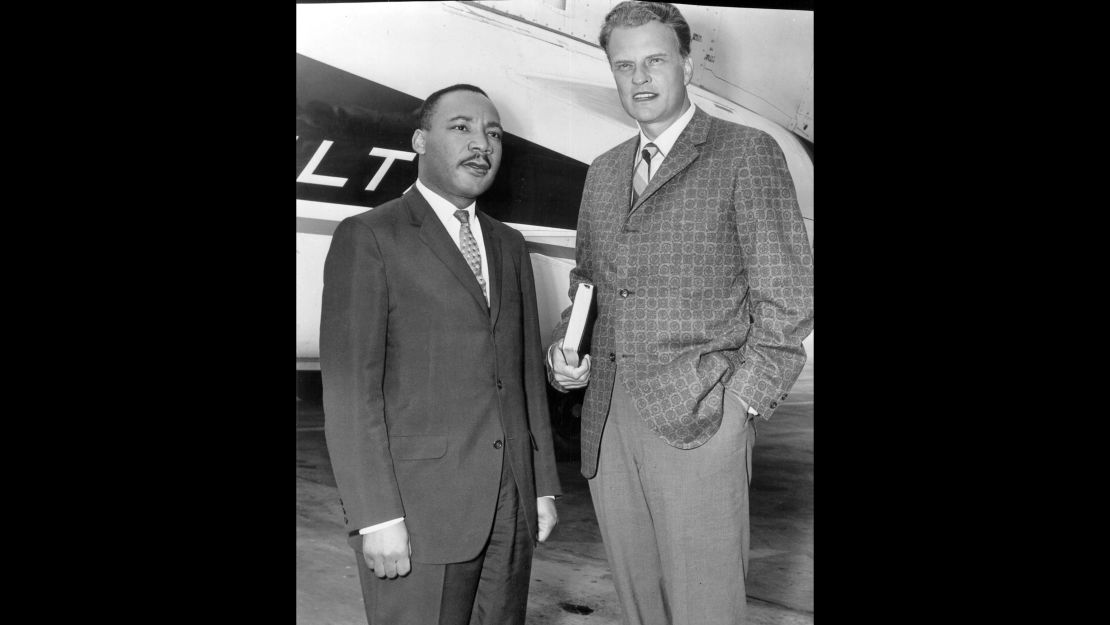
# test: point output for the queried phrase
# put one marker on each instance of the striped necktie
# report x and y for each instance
(470, 247)
(643, 171)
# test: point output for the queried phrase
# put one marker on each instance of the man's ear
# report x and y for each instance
(687, 70)
(418, 141)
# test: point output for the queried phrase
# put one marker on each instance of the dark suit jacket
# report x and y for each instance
(706, 283)
(426, 388)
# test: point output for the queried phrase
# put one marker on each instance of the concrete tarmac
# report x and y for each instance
(571, 584)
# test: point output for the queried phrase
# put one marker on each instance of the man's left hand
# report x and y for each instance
(545, 509)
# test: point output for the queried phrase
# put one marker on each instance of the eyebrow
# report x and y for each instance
(646, 56)
(471, 119)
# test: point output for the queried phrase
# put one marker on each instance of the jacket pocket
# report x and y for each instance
(417, 447)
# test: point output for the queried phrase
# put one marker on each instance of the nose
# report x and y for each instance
(640, 75)
(481, 144)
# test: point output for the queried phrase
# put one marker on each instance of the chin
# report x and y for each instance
(642, 114)
(475, 190)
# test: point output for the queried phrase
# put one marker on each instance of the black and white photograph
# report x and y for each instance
(555, 312)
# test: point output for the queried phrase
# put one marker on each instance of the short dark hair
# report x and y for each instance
(640, 13)
(426, 110)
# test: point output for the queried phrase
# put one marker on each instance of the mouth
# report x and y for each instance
(478, 166)
(644, 96)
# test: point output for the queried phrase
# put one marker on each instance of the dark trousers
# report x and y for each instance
(491, 589)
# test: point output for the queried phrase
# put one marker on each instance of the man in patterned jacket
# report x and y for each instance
(692, 236)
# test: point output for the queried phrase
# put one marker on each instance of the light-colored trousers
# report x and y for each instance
(675, 522)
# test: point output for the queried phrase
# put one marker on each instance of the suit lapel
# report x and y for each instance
(433, 234)
(622, 177)
(493, 260)
(684, 152)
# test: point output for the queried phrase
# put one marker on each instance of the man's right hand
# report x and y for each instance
(387, 551)
(567, 376)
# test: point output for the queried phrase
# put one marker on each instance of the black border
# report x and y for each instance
(175, 469)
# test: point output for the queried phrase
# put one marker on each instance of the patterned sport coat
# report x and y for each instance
(706, 283)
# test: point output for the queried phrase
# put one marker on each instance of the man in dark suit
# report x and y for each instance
(692, 236)
(435, 407)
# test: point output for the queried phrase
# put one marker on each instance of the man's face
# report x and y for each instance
(651, 74)
(461, 150)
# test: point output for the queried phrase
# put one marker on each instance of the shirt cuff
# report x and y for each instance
(550, 360)
(374, 528)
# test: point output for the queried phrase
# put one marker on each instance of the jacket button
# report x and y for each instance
(774, 404)
(498, 444)
(783, 396)
(624, 292)
(612, 357)
(498, 383)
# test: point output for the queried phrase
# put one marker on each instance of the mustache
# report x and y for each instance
(479, 159)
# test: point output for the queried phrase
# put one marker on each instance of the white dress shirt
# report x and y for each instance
(665, 141)
(446, 213)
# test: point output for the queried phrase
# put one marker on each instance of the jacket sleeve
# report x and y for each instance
(353, 325)
(539, 419)
(582, 271)
(779, 264)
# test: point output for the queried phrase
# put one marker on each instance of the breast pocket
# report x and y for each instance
(417, 447)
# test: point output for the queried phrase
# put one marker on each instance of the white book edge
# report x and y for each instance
(576, 325)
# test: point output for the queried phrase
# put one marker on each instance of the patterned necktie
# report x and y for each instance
(470, 247)
(643, 171)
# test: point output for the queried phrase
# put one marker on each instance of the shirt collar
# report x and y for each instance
(666, 139)
(444, 210)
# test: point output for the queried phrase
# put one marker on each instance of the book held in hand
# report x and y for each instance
(576, 342)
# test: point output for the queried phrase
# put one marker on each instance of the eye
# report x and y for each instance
(655, 61)
(622, 67)
(462, 127)
(496, 134)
